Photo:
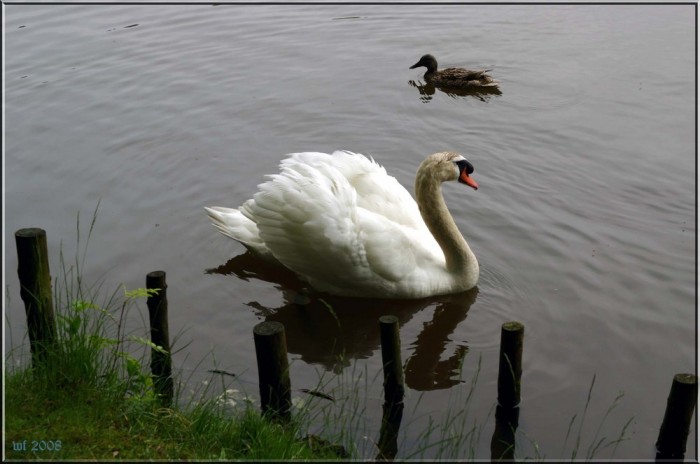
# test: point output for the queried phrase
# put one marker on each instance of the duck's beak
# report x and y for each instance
(415, 65)
(465, 179)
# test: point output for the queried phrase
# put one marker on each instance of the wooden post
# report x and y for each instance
(679, 412)
(393, 387)
(391, 359)
(510, 366)
(273, 370)
(161, 363)
(35, 290)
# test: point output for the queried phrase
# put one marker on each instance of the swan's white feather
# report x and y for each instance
(341, 223)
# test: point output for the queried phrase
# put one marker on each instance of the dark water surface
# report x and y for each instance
(584, 223)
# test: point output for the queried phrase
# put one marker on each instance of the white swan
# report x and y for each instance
(348, 228)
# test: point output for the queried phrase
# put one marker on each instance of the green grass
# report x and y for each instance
(92, 396)
(598, 443)
(458, 434)
(579, 450)
(97, 424)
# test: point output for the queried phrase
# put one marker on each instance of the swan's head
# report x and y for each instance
(448, 166)
(428, 61)
(464, 168)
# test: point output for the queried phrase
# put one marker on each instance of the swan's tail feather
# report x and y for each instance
(226, 220)
(238, 225)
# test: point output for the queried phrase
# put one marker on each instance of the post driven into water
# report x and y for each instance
(391, 359)
(509, 372)
(510, 367)
(161, 363)
(273, 370)
(35, 290)
(393, 387)
(679, 412)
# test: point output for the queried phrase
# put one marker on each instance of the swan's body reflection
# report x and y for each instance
(427, 91)
(332, 331)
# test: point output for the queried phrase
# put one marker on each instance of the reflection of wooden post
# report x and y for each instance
(679, 412)
(35, 290)
(393, 387)
(503, 439)
(273, 369)
(392, 413)
(161, 363)
(510, 366)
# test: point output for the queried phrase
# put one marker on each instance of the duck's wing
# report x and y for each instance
(341, 223)
(458, 76)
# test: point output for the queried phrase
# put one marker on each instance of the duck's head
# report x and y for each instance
(428, 61)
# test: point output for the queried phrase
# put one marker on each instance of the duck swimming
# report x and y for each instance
(455, 77)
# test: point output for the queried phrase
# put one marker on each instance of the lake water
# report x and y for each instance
(584, 224)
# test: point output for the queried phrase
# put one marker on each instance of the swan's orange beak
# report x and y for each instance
(465, 179)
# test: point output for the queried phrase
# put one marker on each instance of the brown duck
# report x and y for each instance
(454, 77)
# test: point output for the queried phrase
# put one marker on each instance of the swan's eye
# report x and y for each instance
(465, 165)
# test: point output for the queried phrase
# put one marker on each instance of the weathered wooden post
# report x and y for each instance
(510, 366)
(393, 387)
(161, 362)
(391, 359)
(679, 412)
(510, 370)
(35, 290)
(273, 370)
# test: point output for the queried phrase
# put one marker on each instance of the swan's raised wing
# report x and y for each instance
(376, 191)
(325, 219)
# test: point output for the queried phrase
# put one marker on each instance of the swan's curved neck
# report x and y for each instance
(437, 217)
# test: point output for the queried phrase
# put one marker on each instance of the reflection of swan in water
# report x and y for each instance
(427, 91)
(424, 369)
(332, 331)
